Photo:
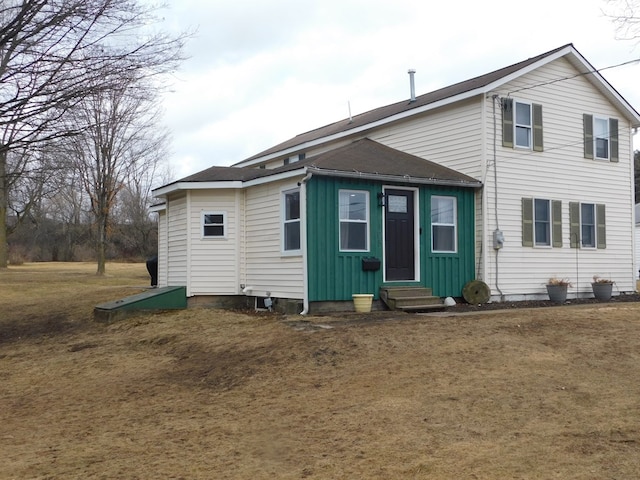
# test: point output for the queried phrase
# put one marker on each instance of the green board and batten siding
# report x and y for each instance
(335, 275)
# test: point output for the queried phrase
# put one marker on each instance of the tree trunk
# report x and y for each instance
(101, 247)
(4, 204)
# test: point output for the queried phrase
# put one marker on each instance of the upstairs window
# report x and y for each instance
(291, 221)
(522, 125)
(600, 138)
(354, 220)
(214, 224)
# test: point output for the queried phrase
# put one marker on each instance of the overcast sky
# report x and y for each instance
(262, 71)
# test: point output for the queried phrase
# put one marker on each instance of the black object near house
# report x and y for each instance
(152, 268)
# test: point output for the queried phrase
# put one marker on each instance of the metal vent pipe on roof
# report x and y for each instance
(412, 84)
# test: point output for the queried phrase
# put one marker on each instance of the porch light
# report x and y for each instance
(381, 199)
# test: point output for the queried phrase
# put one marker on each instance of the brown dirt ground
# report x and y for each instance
(200, 394)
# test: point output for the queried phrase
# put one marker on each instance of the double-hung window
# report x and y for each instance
(521, 125)
(588, 225)
(214, 224)
(600, 137)
(291, 221)
(354, 220)
(443, 224)
(541, 222)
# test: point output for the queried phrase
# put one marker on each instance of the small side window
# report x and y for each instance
(291, 221)
(214, 224)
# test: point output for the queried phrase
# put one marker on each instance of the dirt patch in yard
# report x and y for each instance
(512, 393)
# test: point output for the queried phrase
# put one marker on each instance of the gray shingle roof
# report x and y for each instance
(361, 158)
(403, 106)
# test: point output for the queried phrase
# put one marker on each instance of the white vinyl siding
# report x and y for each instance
(560, 173)
(214, 260)
(448, 136)
(162, 248)
(267, 269)
(177, 248)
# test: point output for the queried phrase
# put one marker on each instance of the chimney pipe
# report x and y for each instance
(412, 84)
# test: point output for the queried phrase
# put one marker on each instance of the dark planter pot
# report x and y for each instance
(557, 293)
(602, 291)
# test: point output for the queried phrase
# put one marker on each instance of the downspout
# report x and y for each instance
(303, 243)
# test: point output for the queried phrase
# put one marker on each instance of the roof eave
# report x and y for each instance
(394, 178)
(219, 185)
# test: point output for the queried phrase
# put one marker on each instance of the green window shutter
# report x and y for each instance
(537, 127)
(556, 209)
(613, 139)
(507, 122)
(574, 224)
(601, 223)
(527, 222)
(587, 122)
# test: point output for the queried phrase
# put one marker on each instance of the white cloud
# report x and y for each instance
(261, 72)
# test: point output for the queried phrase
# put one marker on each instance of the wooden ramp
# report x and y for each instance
(165, 298)
(410, 299)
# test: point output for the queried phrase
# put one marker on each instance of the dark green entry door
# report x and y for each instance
(399, 234)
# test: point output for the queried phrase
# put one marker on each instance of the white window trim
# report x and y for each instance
(595, 226)
(549, 205)
(366, 221)
(595, 138)
(224, 225)
(455, 225)
(516, 125)
(283, 221)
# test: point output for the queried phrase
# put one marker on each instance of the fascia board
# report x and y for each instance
(161, 207)
(174, 187)
(394, 178)
(237, 184)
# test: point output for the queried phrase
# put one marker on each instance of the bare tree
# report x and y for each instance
(625, 15)
(120, 140)
(53, 53)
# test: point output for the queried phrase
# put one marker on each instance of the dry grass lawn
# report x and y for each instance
(208, 394)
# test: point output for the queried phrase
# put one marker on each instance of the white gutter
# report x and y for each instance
(303, 243)
(393, 178)
(213, 185)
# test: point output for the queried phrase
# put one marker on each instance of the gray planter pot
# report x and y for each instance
(602, 291)
(557, 293)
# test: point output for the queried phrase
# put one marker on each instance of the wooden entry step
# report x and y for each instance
(410, 299)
